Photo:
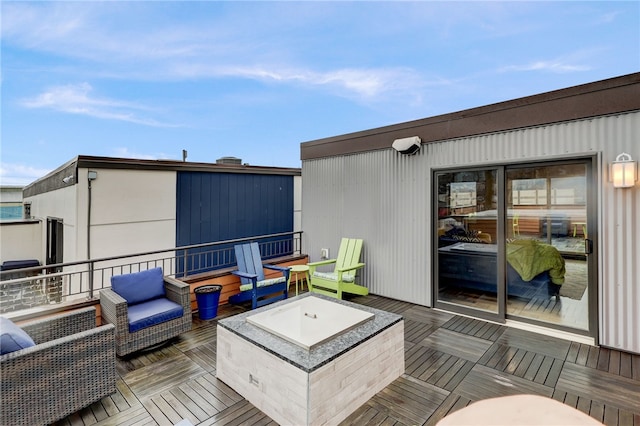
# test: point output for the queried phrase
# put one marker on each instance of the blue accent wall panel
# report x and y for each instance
(223, 206)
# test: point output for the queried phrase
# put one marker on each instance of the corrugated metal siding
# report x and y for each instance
(385, 198)
(619, 231)
(382, 199)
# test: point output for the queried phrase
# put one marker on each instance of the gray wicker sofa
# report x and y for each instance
(71, 366)
(116, 310)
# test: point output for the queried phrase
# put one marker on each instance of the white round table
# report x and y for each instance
(518, 410)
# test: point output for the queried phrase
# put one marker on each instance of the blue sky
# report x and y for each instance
(253, 80)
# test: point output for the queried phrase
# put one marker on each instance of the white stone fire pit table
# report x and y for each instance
(296, 362)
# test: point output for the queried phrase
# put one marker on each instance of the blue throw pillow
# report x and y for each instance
(139, 286)
(12, 337)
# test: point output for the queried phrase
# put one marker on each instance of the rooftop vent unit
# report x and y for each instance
(229, 160)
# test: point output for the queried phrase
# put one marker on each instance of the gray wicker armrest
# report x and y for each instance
(178, 291)
(114, 310)
(61, 325)
(97, 337)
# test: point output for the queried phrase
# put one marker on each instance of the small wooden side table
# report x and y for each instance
(299, 269)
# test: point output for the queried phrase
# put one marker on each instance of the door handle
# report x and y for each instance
(588, 246)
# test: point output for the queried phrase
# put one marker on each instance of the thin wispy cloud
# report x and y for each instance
(360, 83)
(608, 18)
(124, 152)
(78, 99)
(177, 52)
(19, 174)
(252, 79)
(554, 66)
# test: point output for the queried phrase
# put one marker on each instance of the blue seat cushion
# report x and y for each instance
(139, 286)
(12, 337)
(153, 312)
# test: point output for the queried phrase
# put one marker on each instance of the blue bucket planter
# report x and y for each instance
(208, 297)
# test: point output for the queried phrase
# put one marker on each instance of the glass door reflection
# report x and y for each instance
(467, 235)
(547, 268)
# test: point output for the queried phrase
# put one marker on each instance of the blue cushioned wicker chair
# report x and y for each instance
(146, 309)
(254, 286)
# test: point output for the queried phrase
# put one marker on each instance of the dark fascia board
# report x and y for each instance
(605, 97)
(54, 180)
(182, 166)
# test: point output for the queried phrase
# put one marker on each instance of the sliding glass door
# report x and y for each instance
(548, 249)
(515, 242)
(466, 239)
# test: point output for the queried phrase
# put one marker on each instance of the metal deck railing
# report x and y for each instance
(32, 287)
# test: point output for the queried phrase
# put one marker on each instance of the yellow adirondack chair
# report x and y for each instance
(342, 279)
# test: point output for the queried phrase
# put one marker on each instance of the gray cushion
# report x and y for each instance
(346, 278)
(12, 337)
(263, 283)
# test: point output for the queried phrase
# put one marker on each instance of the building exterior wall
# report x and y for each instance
(132, 211)
(228, 206)
(62, 204)
(133, 208)
(10, 202)
(224, 206)
(385, 198)
(21, 240)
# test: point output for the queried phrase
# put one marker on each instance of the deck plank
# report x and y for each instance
(483, 382)
(99, 411)
(635, 367)
(427, 316)
(450, 362)
(190, 405)
(165, 373)
(607, 388)
(452, 403)
(457, 344)
(406, 401)
(199, 400)
(161, 411)
(204, 356)
(539, 343)
(128, 417)
(418, 359)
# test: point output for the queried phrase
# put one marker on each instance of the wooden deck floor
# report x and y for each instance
(451, 361)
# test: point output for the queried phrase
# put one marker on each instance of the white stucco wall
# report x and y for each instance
(132, 211)
(20, 241)
(59, 204)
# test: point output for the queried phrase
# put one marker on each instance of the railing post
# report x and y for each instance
(184, 266)
(91, 266)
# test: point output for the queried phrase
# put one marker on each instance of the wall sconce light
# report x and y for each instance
(623, 171)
